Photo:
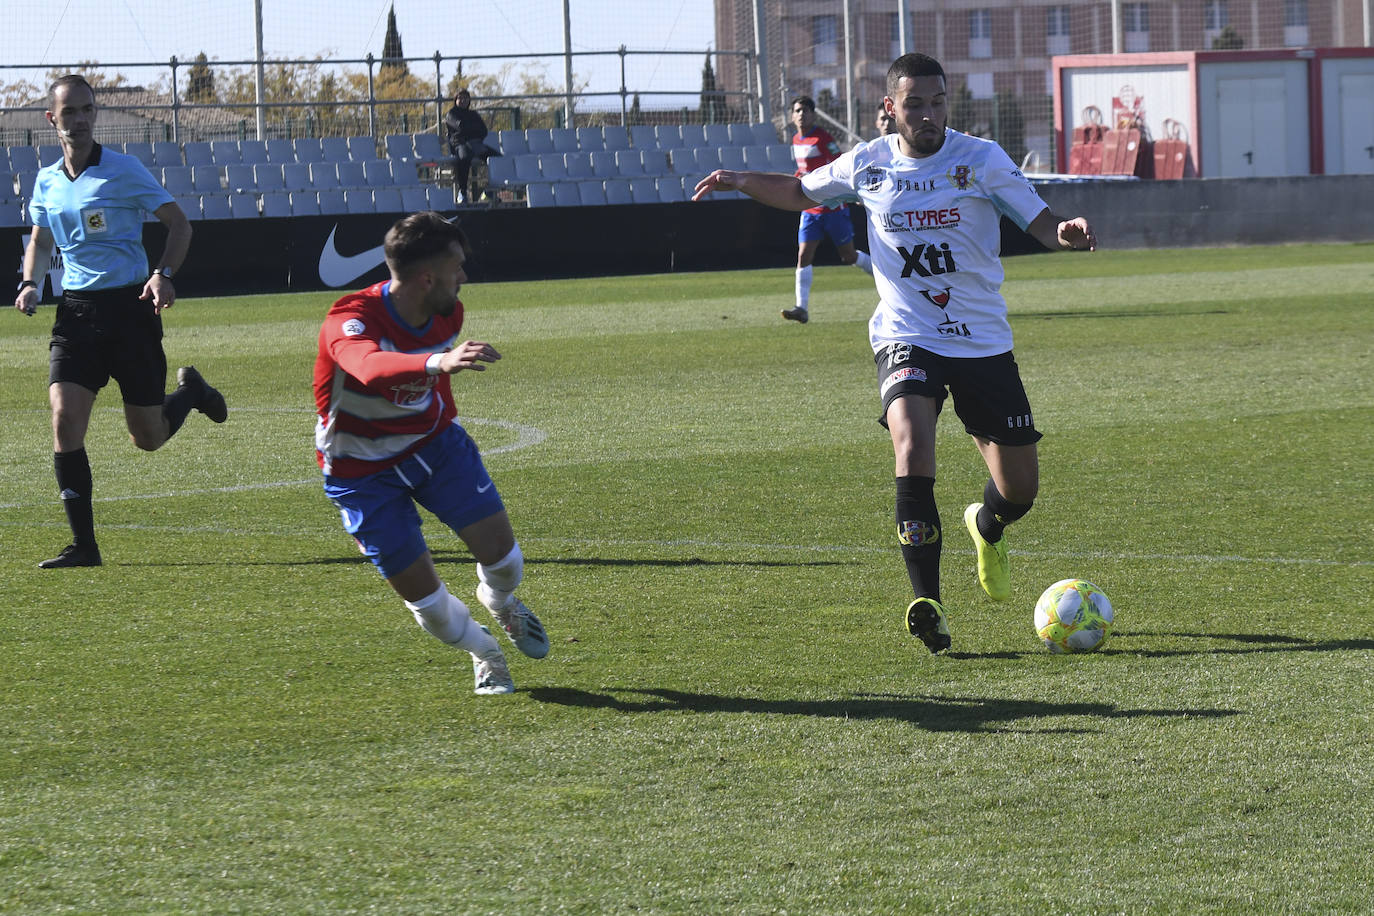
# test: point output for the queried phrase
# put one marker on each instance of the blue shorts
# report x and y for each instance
(834, 223)
(447, 477)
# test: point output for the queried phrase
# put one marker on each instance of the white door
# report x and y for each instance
(1357, 124)
(1252, 116)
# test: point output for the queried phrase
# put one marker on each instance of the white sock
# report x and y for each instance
(500, 579)
(864, 263)
(447, 619)
(803, 286)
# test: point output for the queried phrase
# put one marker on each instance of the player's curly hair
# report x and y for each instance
(419, 237)
(910, 66)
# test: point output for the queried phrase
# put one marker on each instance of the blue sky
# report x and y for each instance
(60, 32)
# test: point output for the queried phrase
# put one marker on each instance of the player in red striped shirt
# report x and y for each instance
(387, 437)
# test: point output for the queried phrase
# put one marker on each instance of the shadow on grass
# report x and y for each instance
(1206, 645)
(1122, 313)
(454, 556)
(933, 713)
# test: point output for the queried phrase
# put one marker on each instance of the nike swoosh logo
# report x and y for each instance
(484, 489)
(339, 270)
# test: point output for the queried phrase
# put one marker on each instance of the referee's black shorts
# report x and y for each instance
(988, 395)
(105, 334)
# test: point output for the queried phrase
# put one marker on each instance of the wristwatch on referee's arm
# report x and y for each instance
(164, 271)
(26, 284)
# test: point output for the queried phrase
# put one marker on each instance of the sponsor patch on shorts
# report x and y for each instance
(910, 373)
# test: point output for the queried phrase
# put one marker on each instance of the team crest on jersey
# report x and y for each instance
(873, 179)
(938, 299)
(961, 176)
(353, 327)
(94, 220)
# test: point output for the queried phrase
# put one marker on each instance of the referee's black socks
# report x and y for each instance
(73, 471)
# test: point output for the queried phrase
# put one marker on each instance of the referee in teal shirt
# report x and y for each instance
(90, 206)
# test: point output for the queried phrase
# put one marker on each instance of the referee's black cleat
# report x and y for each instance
(209, 401)
(798, 314)
(925, 619)
(72, 555)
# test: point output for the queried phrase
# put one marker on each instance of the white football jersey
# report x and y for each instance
(934, 238)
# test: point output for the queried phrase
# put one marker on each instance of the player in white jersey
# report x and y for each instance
(934, 199)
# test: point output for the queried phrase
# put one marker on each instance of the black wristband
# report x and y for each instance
(25, 284)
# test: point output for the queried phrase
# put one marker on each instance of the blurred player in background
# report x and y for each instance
(387, 437)
(90, 205)
(813, 147)
(886, 124)
(934, 199)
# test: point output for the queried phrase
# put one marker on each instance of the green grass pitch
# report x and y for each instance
(235, 715)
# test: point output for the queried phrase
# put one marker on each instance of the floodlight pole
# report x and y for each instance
(567, 67)
(258, 75)
(903, 28)
(849, 66)
(1116, 27)
(761, 61)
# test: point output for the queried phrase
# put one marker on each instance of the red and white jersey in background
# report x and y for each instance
(811, 151)
(375, 402)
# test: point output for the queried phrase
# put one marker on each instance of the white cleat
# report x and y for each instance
(491, 676)
(519, 622)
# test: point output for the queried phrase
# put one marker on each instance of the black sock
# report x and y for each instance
(918, 532)
(73, 471)
(997, 513)
(177, 406)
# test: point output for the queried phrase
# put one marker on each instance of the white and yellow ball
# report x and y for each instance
(1073, 615)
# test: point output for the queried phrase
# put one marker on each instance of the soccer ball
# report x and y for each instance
(1073, 615)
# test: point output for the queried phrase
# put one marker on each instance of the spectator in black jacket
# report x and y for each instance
(467, 134)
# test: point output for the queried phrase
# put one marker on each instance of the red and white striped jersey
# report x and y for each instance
(811, 151)
(375, 402)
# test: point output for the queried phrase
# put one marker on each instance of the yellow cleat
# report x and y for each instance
(925, 619)
(994, 567)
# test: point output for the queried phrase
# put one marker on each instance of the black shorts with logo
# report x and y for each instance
(988, 395)
(109, 333)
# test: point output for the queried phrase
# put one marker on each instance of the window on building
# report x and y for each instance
(1135, 23)
(980, 85)
(1214, 19)
(825, 40)
(1294, 23)
(1057, 30)
(980, 33)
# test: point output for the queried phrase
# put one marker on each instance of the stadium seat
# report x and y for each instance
(48, 153)
(667, 137)
(11, 216)
(205, 179)
(512, 143)
(351, 174)
(414, 199)
(280, 151)
(296, 176)
(405, 172)
(7, 191)
(500, 172)
(540, 141)
(695, 135)
(740, 134)
(305, 203)
(565, 195)
(214, 206)
(24, 159)
(707, 161)
(564, 140)
(539, 195)
(177, 180)
(672, 189)
(5, 159)
(252, 152)
(576, 165)
(590, 139)
(552, 166)
(628, 162)
(323, 176)
(276, 203)
(429, 147)
(334, 149)
(618, 191)
(603, 164)
(644, 190)
(359, 200)
(308, 149)
(377, 173)
(166, 153)
(655, 161)
(268, 177)
(717, 135)
(527, 168)
(240, 178)
(197, 153)
(765, 133)
(143, 152)
(731, 157)
(591, 193)
(614, 137)
(225, 152)
(25, 182)
(780, 159)
(189, 204)
(387, 200)
(332, 202)
(644, 136)
(439, 197)
(243, 206)
(362, 149)
(399, 147)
